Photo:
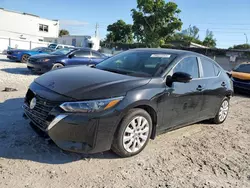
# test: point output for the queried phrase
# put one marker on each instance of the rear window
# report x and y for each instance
(53, 46)
(245, 68)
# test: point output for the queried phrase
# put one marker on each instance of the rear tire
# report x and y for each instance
(133, 134)
(25, 58)
(57, 66)
(221, 115)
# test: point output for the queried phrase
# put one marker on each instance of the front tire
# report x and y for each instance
(24, 58)
(133, 134)
(221, 116)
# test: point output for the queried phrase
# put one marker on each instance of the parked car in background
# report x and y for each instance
(59, 46)
(23, 55)
(241, 77)
(127, 99)
(64, 57)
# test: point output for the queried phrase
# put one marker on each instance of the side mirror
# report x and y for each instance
(71, 55)
(179, 77)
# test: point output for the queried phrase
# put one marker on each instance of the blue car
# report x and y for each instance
(64, 57)
(23, 55)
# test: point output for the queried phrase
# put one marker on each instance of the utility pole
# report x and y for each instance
(96, 29)
(246, 38)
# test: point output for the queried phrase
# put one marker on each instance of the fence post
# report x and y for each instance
(30, 45)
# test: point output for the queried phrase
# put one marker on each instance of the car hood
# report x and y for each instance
(85, 83)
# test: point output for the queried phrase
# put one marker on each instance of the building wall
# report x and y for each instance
(25, 26)
(19, 44)
(80, 41)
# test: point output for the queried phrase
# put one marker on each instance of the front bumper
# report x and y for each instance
(242, 86)
(39, 68)
(13, 57)
(79, 132)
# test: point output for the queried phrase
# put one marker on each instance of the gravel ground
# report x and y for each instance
(201, 155)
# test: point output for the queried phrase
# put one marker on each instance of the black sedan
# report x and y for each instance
(64, 57)
(127, 99)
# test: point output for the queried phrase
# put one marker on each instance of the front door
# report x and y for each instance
(80, 57)
(188, 97)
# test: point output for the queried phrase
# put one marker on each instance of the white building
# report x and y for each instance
(80, 41)
(23, 29)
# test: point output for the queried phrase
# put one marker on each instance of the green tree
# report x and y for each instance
(209, 40)
(241, 46)
(192, 32)
(120, 32)
(154, 21)
(63, 32)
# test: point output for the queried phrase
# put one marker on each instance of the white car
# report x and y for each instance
(59, 46)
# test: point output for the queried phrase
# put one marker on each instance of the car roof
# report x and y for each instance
(171, 51)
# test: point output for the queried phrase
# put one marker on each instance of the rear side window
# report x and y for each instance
(82, 53)
(188, 65)
(96, 55)
(209, 68)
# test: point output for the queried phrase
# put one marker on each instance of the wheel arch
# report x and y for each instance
(149, 108)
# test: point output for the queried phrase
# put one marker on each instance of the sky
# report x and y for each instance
(228, 19)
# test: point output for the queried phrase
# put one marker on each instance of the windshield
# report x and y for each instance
(63, 51)
(245, 68)
(36, 49)
(53, 46)
(144, 63)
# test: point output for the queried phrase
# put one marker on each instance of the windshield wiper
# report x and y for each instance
(116, 71)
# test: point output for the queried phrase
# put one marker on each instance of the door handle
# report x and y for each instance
(199, 88)
(223, 84)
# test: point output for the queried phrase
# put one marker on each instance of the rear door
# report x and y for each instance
(80, 57)
(215, 87)
(188, 97)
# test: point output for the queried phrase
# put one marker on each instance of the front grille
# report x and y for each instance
(9, 52)
(32, 60)
(240, 80)
(40, 113)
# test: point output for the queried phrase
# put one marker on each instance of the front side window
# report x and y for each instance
(82, 53)
(209, 68)
(44, 28)
(141, 63)
(188, 65)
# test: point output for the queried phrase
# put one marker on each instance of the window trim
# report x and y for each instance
(210, 60)
(198, 63)
(43, 28)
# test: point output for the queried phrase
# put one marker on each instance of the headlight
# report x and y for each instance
(90, 106)
(44, 60)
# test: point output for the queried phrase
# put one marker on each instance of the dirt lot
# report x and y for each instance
(201, 155)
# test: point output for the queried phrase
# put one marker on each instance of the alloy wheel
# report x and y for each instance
(25, 58)
(223, 110)
(136, 134)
